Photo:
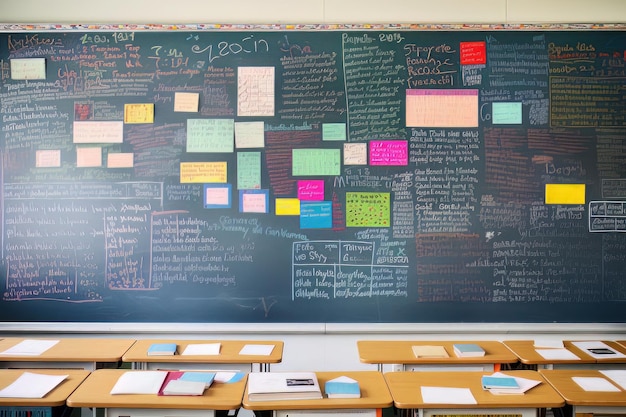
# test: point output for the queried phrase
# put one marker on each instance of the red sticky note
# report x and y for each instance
(473, 53)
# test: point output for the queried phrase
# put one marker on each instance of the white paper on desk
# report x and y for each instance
(592, 383)
(557, 354)
(30, 347)
(586, 346)
(139, 382)
(202, 349)
(445, 395)
(261, 350)
(31, 385)
(548, 343)
(617, 376)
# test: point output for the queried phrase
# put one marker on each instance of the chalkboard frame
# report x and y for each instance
(565, 315)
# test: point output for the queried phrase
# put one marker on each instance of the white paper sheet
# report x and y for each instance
(202, 349)
(617, 376)
(557, 354)
(139, 382)
(30, 347)
(263, 350)
(445, 395)
(32, 385)
(592, 383)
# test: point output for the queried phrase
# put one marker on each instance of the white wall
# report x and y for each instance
(313, 11)
(316, 346)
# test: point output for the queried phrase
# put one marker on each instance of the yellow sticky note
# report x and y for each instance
(287, 207)
(139, 113)
(195, 172)
(565, 193)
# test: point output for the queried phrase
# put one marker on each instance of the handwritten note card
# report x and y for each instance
(316, 215)
(355, 153)
(120, 160)
(248, 170)
(249, 134)
(506, 113)
(334, 131)
(28, 69)
(48, 158)
(389, 152)
(365, 209)
(441, 108)
(210, 135)
(473, 53)
(186, 102)
(89, 157)
(98, 132)
(136, 113)
(254, 201)
(255, 91)
(217, 195)
(203, 172)
(311, 190)
(307, 162)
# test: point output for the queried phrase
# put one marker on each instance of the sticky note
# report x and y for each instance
(191, 172)
(565, 193)
(287, 207)
(28, 69)
(506, 113)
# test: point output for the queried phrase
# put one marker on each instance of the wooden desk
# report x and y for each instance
(229, 355)
(400, 354)
(604, 362)
(79, 353)
(527, 353)
(95, 392)
(54, 398)
(374, 395)
(585, 402)
(405, 389)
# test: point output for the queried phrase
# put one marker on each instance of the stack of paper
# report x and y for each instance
(429, 351)
(139, 382)
(182, 387)
(598, 350)
(273, 386)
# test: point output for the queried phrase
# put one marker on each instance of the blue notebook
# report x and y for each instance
(468, 350)
(498, 382)
(158, 349)
(206, 377)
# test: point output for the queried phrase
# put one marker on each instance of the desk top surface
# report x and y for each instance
(527, 353)
(401, 352)
(229, 352)
(96, 392)
(561, 380)
(71, 350)
(54, 398)
(374, 394)
(405, 389)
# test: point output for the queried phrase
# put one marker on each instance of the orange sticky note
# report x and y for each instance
(565, 193)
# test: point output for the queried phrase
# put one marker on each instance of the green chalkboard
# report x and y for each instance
(315, 174)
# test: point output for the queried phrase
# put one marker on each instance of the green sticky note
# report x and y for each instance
(506, 113)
